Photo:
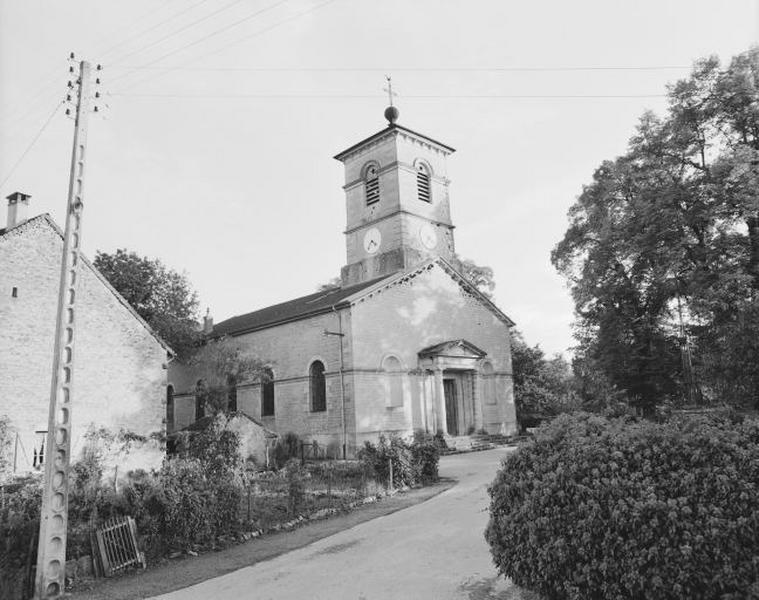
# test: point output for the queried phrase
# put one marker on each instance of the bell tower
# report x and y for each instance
(397, 206)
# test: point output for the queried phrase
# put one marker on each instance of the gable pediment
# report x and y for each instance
(410, 274)
(453, 349)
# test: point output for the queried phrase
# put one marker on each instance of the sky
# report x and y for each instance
(218, 120)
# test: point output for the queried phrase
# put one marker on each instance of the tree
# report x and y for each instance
(542, 387)
(333, 284)
(160, 295)
(221, 365)
(478, 275)
(662, 251)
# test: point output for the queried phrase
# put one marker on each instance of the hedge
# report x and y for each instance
(617, 508)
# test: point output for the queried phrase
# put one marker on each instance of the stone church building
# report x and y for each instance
(405, 343)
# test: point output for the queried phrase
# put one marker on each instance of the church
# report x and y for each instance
(404, 343)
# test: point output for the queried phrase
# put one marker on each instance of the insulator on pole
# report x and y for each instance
(97, 81)
(71, 56)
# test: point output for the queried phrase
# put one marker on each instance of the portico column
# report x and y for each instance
(440, 401)
(477, 399)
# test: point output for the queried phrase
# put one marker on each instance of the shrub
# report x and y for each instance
(296, 485)
(287, 447)
(616, 508)
(425, 453)
(412, 463)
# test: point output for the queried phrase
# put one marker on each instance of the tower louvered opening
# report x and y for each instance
(372, 190)
(423, 185)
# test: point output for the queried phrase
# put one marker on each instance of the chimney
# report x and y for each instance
(208, 322)
(18, 209)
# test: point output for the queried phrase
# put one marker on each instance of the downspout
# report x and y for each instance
(340, 335)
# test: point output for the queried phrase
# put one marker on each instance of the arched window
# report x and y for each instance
(371, 183)
(169, 408)
(318, 386)
(267, 393)
(423, 182)
(488, 382)
(394, 374)
(200, 400)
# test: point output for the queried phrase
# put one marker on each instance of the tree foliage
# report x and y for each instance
(543, 387)
(662, 251)
(160, 295)
(221, 365)
(478, 275)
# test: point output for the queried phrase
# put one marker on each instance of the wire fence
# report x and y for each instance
(313, 488)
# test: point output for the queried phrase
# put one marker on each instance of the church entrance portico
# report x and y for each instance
(455, 407)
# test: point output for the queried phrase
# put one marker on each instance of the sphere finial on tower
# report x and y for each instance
(391, 112)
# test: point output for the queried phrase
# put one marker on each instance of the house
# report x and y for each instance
(120, 363)
(256, 441)
(405, 343)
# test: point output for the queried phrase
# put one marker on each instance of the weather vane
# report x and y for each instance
(389, 89)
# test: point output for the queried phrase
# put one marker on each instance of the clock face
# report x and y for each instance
(372, 240)
(428, 236)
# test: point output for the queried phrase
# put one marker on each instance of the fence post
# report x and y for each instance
(329, 487)
(247, 487)
(390, 463)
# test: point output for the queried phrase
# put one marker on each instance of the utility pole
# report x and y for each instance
(51, 553)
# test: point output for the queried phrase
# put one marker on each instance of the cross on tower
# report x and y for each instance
(389, 89)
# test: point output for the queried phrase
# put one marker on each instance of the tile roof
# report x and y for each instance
(293, 310)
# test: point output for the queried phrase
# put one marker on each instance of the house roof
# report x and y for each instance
(292, 310)
(204, 422)
(45, 217)
(390, 128)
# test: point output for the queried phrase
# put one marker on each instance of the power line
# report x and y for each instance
(210, 35)
(151, 28)
(245, 38)
(31, 144)
(51, 79)
(374, 96)
(181, 29)
(404, 69)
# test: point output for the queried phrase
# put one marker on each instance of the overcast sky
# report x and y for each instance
(222, 166)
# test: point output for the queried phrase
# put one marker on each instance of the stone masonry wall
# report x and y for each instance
(119, 375)
(289, 349)
(405, 318)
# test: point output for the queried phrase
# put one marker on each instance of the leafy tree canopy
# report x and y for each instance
(160, 295)
(543, 387)
(662, 251)
(221, 365)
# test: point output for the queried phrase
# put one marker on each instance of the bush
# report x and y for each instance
(287, 448)
(412, 463)
(616, 508)
(425, 452)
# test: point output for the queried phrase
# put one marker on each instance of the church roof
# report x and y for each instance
(293, 310)
(392, 128)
